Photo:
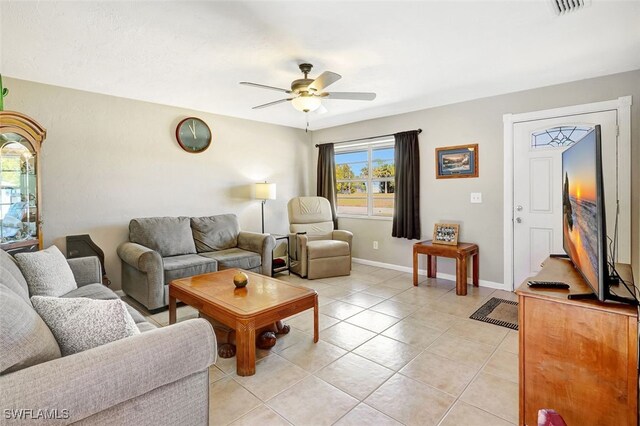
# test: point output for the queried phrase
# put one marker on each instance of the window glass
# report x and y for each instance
(562, 136)
(365, 180)
(351, 165)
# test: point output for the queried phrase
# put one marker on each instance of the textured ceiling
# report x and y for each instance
(412, 54)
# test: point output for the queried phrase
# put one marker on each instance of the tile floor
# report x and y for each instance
(389, 354)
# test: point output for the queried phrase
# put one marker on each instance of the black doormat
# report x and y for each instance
(499, 312)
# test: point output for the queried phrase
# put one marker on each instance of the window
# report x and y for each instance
(365, 179)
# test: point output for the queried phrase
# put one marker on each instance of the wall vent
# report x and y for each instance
(560, 7)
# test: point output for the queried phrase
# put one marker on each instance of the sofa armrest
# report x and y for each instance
(92, 381)
(299, 253)
(263, 244)
(86, 270)
(140, 257)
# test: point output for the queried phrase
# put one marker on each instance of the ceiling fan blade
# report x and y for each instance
(262, 86)
(271, 103)
(325, 79)
(354, 96)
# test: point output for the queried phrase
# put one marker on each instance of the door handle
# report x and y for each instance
(518, 219)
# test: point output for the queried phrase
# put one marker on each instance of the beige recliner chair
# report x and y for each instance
(317, 250)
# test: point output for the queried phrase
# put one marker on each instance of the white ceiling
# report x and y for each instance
(414, 55)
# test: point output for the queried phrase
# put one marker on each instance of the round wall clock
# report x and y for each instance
(193, 135)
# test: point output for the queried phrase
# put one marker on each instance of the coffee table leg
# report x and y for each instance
(172, 310)
(246, 348)
(316, 332)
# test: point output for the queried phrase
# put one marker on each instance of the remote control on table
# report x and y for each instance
(548, 284)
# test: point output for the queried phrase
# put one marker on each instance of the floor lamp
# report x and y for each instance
(265, 191)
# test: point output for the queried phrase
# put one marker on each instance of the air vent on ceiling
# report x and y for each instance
(561, 7)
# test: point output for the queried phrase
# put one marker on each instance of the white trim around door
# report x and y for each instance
(622, 105)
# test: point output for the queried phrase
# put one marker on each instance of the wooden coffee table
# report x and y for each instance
(262, 302)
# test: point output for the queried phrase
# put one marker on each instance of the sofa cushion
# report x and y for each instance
(100, 292)
(145, 326)
(213, 233)
(187, 265)
(79, 324)
(11, 276)
(25, 339)
(327, 248)
(47, 272)
(92, 291)
(235, 258)
(137, 316)
(169, 236)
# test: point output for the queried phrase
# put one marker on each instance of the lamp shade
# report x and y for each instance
(266, 191)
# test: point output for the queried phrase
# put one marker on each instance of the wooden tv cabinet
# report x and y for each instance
(578, 357)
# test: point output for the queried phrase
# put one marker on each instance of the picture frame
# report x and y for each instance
(460, 161)
(446, 233)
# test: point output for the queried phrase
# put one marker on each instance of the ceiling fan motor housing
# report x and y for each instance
(301, 85)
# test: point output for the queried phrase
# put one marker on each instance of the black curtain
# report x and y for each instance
(326, 180)
(406, 218)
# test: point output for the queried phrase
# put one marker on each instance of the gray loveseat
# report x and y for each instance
(160, 376)
(162, 249)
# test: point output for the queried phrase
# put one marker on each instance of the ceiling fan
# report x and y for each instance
(308, 93)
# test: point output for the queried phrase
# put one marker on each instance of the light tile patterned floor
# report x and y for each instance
(389, 354)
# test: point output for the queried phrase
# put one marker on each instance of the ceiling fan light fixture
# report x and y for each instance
(306, 103)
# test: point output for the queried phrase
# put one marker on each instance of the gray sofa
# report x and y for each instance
(162, 249)
(160, 376)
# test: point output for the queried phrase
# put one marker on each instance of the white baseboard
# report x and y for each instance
(482, 283)
(387, 266)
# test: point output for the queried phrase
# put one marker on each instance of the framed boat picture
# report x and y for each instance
(457, 161)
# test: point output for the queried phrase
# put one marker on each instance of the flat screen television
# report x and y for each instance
(583, 212)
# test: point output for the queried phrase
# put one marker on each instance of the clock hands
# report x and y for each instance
(192, 127)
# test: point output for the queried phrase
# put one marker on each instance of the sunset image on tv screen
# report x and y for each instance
(580, 213)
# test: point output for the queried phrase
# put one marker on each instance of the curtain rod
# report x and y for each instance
(364, 139)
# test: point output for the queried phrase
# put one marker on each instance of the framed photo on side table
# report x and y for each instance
(446, 233)
(457, 161)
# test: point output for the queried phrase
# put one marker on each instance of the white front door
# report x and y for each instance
(537, 185)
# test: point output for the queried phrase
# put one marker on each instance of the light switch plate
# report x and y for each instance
(476, 197)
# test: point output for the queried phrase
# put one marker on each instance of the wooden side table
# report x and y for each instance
(459, 252)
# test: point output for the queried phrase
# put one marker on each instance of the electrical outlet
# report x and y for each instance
(476, 197)
(375, 245)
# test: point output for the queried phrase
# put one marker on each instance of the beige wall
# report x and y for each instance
(107, 160)
(447, 200)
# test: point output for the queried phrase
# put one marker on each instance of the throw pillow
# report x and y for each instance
(25, 339)
(79, 324)
(47, 272)
(213, 233)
